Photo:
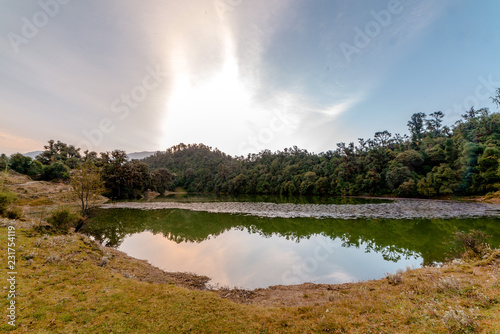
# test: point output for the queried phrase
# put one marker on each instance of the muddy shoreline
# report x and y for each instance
(398, 209)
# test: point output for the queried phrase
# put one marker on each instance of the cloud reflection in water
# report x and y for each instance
(238, 258)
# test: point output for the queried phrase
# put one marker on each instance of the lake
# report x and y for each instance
(256, 242)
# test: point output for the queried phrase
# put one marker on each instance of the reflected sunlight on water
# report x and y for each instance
(245, 260)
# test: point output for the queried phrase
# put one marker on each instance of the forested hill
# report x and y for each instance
(434, 160)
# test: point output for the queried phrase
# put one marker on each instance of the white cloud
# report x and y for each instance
(224, 82)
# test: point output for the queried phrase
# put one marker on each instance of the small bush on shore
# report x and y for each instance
(396, 278)
(62, 220)
(470, 244)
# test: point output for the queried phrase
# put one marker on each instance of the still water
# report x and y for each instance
(237, 245)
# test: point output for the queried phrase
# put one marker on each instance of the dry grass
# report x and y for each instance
(39, 198)
(396, 278)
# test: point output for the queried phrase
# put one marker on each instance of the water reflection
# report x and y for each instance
(242, 259)
(249, 251)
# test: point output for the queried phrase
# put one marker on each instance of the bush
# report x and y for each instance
(35, 170)
(396, 278)
(62, 220)
(407, 189)
(470, 244)
(460, 321)
(19, 163)
(6, 199)
(4, 162)
(55, 171)
(14, 213)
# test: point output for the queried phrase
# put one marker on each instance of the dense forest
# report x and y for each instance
(434, 160)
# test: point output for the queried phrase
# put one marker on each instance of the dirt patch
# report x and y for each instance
(306, 294)
(493, 198)
(37, 193)
(38, 199)
(141, 270)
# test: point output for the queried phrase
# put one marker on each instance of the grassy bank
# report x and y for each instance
(69, 284)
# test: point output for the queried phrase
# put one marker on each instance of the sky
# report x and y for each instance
(238, 75)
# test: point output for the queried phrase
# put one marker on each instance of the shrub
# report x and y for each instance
(460, 321)
(19, 163)
(55, 171)
(470, 244)
(35, 170)
(14, 213)
(4, 162)
(6, 199)
(396, 278)
(62, 220)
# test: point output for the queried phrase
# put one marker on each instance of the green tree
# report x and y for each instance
(442, 180)
(416, 127)
(496, 99)
(56, 171)
(382, 138)
(470, 114)
(161, 180)
(396, 175)
(35, 170)
(434, 124)
(322, 186)
(126, 180)
(19, 163)
(487, 165)
(60, 152)
(4, 162)
(87, 185)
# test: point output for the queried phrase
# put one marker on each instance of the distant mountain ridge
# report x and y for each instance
(131, 156)
(140, 155)
(32, 154)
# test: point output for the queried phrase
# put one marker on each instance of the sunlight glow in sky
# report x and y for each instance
(242, 75)
(221, 96)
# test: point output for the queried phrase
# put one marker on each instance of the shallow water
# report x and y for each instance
(397, 209)
(251, 245)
